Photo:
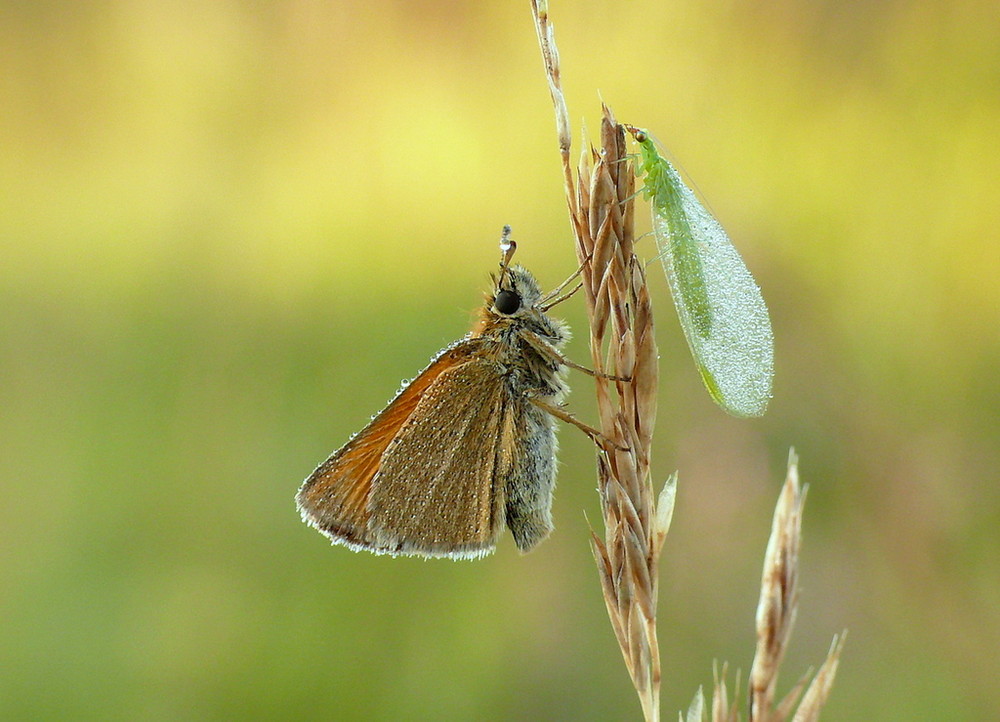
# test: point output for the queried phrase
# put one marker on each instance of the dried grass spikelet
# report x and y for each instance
(600, 200)
(776, 612)
(621, 321)
(779, 594)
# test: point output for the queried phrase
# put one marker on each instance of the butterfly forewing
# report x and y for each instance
(334, 498)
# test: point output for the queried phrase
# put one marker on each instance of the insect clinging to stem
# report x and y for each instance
(466, 448)
(719, 304)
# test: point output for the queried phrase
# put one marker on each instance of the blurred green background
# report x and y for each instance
(229, 229)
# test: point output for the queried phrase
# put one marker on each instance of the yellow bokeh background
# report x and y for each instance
(228, 230)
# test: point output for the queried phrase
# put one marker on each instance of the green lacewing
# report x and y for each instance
(719, 304)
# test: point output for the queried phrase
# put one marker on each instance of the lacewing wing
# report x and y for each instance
(719, 304)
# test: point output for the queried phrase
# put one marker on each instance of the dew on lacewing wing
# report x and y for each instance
(719, 304)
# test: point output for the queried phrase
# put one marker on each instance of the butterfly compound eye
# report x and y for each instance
(507, 302)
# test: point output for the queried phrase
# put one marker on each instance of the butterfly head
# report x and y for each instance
(516, 293)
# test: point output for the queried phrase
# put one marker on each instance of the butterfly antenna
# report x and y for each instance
(507, 248)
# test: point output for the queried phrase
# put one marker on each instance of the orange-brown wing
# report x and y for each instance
(334, 499)
(439, 490)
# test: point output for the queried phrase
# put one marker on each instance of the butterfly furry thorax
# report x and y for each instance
(464, 450)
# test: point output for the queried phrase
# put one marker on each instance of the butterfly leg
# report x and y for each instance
(547, 299)
(546, 349)
(590, 372)
(600, 439)
(562, 298)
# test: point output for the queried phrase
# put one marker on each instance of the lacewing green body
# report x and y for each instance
(719, 304)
